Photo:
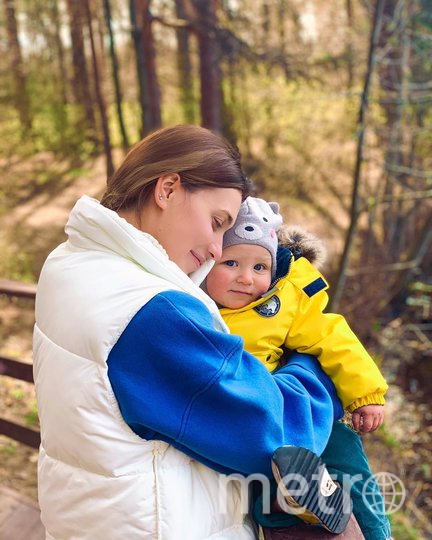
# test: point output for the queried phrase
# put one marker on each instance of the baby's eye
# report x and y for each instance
(260, 267)
(230, 263)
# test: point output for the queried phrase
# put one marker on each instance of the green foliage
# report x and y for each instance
(426, 470)
(59, 128)
(9, 448)
(32, 418)
(424, 140)
(172, 114)
(425, 16)
(132, 120)
(376, 326)
(78, 172)
(18, 394)
(301, 137)
(14, 264)
(53, 130)
(11, 143)
(420, 286)
(388, 438)
(402, 528)
(420, 298)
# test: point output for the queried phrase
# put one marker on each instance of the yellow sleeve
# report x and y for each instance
(328, 336)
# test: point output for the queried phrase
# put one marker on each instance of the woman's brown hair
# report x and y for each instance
(200, 157)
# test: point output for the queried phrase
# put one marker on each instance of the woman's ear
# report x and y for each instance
(165, 186)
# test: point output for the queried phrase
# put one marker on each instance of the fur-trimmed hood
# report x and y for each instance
(302, 243)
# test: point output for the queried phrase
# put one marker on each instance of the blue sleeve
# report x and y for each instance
(179, 380)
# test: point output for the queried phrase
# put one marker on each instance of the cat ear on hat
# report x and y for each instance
(244, 207)
(275, 207)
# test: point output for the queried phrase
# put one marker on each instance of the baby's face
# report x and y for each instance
(241, 276)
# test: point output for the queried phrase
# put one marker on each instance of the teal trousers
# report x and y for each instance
(346, 461)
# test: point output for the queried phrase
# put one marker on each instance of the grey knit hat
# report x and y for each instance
(256, 224)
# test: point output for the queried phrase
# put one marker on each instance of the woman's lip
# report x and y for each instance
(198, 259)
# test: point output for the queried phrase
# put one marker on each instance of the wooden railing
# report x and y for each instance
(18, 370)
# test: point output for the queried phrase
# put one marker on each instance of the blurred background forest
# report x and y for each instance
(330, 104)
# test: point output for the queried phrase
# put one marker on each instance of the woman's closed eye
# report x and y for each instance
(217, 224)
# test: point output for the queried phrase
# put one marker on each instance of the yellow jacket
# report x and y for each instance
(291, 316)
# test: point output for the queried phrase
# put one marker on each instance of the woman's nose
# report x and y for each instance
(215, 250)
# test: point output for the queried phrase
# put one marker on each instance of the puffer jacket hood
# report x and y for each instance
(302, 243)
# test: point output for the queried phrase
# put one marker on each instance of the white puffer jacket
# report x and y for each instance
(97, 478)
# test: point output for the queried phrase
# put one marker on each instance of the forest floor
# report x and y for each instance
(39, 194)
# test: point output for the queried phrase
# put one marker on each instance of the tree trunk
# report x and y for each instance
(150, 60)
(203, 16)
(184, 67)
(140, 67)
(55, 17)
(20, 97)
(390, 79)
(349, 44)
(99, 19)
(99, 97)
(141, 21)
(115, 75)
(355, 197)
(269, 133)
(81, 84)
(405, 69)
(418, 252)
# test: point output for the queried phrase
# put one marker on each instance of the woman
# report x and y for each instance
(143, 396)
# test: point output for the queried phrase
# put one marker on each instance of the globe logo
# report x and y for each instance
(384, 493)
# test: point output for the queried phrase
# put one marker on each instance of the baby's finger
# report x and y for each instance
(376, 422)
(367, 423)
(380, 419)
(355, 418)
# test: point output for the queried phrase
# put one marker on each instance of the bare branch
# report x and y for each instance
(355, 198)
(420, 335)
(373, 202)
(392, 267)
(172, 23)
(400, 169)
(236, 47)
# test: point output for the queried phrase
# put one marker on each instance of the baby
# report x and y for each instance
(275, 298)
(271, 294)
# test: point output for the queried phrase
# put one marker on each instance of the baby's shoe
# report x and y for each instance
(309, 532)
(308, 489)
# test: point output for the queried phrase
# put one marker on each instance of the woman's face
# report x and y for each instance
(192, 224)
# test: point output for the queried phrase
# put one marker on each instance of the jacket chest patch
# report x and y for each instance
(269, 308)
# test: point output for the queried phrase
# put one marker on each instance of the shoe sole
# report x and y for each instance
(324, 500)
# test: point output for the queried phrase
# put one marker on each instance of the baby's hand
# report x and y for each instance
(368, 418)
